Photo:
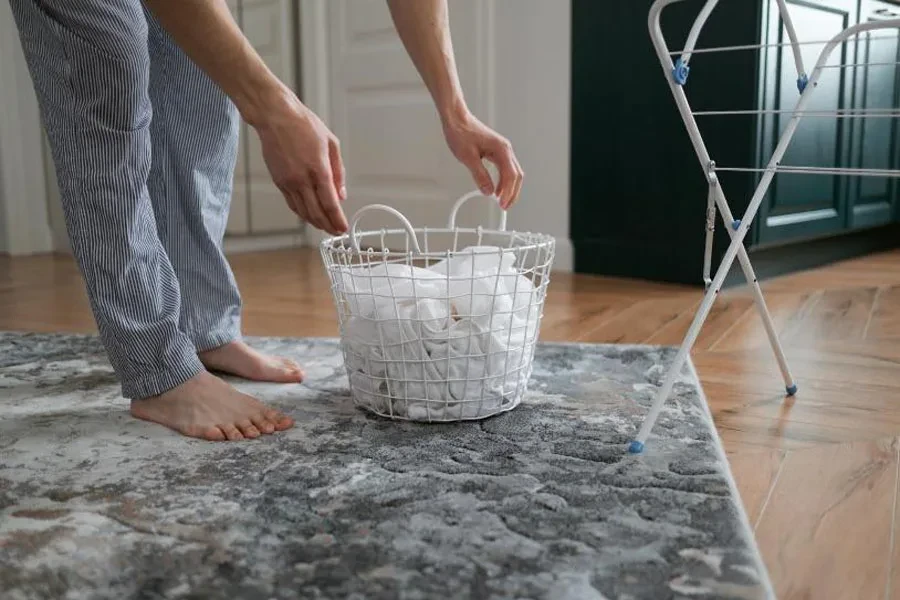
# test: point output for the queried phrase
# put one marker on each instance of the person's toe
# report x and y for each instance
(280, 420)
(212, 434)
(263, 424)
(279, 370)
(248, 430)
(292, 369)
(231, 432)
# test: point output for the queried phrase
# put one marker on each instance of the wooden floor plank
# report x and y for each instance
(893, 587)
(817, 503)
(748, 333)
(568, 323)
(640, 321)
(725, 313)
(840, 315)
(885, 322)
(755, 474)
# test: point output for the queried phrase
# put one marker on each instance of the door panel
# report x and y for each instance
(238, 216)
(393, 148)
(875, 140)
(800, 206)
(268, 24)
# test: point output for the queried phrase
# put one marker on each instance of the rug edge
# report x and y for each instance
(732, 484)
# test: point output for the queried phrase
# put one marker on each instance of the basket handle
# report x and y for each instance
(354, 239)
(452, 223)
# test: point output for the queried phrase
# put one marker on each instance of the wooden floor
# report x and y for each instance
(819, 474)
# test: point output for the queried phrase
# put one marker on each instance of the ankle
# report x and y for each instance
(215, 341)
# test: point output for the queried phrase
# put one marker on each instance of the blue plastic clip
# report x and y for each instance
(802, 82)
(680, 72)
(736, 224)
(636, 447)
(791, 389)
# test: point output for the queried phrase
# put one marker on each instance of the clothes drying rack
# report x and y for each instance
(676, 74)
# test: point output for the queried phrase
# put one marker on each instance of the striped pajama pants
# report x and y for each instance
(144, 145)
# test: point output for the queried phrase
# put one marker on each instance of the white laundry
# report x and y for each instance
(454, 340)
(374, 290)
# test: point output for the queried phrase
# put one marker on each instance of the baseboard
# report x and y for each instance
(260, 243)
(564, 262)
(639, 258)
(774, 261)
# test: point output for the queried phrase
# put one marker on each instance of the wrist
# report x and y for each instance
(265, 102)
(454, 113)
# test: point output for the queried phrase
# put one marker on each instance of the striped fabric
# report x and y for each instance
(144, 145)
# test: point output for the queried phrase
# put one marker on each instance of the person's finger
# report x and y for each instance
(480, 174)
(301, 207)
(508, 174)
(316, 217)
(337, 168)
(293, 201)
(520, 178)
(328, 200)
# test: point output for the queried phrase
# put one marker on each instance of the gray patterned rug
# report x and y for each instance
(541, 502)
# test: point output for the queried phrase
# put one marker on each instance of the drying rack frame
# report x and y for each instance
(677, 73)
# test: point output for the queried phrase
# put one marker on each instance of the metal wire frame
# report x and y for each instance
(448, 347)
(676, 74)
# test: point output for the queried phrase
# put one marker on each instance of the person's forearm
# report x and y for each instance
(424, 28)
(207, 33)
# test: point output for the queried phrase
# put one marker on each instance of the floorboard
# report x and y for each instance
(818, 501)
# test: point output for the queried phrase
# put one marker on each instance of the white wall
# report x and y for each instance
(56, 220)
(532, 46)
(4, 243)
(23, 193)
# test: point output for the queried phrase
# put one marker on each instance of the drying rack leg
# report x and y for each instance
(789, 385)
(735, 251)
(760, 302)
(677, 365)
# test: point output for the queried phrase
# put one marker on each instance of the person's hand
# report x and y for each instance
(304, 159)
(471, 141)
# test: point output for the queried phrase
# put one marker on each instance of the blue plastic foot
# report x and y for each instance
(791, 389)
(680, 72)
(802, 82)
(636, 447)
(736, 224)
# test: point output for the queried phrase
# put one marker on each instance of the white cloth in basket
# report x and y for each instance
(450, 341)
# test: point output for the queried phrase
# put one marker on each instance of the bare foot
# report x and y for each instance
(206, 407)
(237, 358)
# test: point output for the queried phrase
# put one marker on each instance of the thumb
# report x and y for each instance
(481, 176)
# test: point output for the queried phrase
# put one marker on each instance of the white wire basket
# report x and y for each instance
(438, 325)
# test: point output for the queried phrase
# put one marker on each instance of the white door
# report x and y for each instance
(257, 206)
(392, 145)
(239, 215)
(269, 26)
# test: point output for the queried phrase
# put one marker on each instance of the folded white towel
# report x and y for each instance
(454, 340)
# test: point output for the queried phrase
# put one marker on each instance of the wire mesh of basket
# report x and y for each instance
(438, 325)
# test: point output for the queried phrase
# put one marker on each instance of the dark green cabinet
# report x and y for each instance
(803, 205)
(638, 192)
(873, 200)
